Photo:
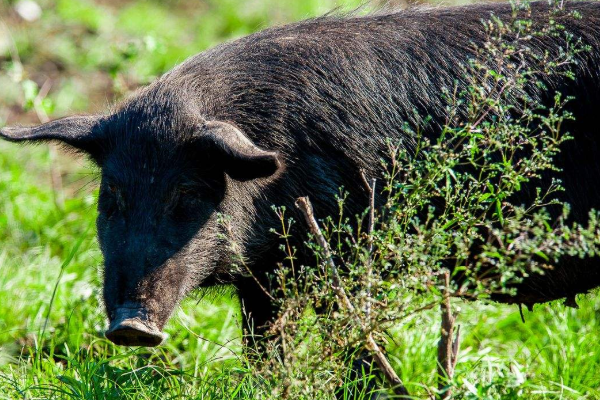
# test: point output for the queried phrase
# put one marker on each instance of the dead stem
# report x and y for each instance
(303, 203)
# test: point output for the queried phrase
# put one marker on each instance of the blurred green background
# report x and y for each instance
(73, 56)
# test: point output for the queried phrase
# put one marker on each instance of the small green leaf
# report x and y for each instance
(499, 211)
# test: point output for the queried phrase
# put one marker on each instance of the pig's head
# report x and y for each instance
(163, 186)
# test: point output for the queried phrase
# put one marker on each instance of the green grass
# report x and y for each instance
(552, 355)
(51, 316)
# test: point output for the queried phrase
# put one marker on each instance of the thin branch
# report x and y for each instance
(447, 348)
(455, 347)
(371, 190)
(303, 203)
(369, 262)
(426, 307)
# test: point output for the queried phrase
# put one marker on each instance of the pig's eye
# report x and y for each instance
(192, 188)
(185, 193)
(113, 199)
(113, 190)
(185, 189)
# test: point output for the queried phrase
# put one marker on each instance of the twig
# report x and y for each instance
(455, 347)
(303, 203)
(447, 348)
(371, 190)
(428, 306)
(369, 262)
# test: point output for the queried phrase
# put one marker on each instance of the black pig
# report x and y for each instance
(291, 111)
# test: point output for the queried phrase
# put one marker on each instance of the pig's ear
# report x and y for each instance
(240, 158)
(79, 132)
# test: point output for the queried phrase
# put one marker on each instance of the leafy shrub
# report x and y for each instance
(453, 225)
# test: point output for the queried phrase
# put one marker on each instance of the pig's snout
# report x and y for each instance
(131, 327)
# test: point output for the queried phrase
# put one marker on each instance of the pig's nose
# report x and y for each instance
(131, 327)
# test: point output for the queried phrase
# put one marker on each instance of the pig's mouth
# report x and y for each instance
(131, 327)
